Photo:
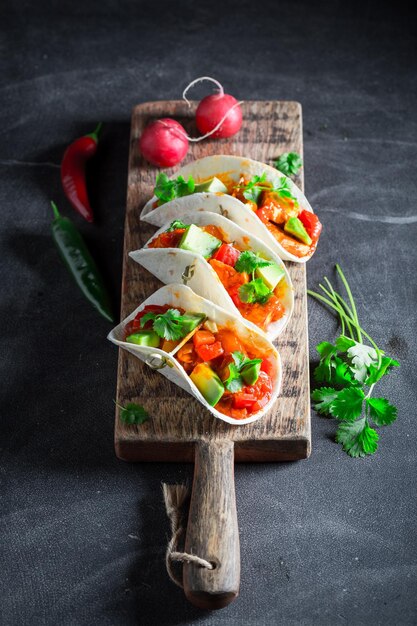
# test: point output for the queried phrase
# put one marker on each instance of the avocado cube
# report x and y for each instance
(214, 185)
(191, 321)
(271, 275)
(208, 383)
(296, 228)
(144, 338)
(250, 373)
(197, 240)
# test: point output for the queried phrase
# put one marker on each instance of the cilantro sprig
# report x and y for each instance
(289, 163)
(352, 368)
(235, 382)
(257, 184)
(166, 189)
(255, 290)
(167, 325)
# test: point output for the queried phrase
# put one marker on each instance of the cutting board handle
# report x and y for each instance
(212, 531)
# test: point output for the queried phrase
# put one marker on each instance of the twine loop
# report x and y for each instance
(174, 498)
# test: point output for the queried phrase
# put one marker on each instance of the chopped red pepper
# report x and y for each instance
(209, 352)
(203, 337)
(227, 254)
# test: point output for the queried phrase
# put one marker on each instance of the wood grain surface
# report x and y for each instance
(177, 420)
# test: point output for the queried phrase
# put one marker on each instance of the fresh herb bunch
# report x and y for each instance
(166, 189)
(132, 413)
(235, 382)
(289, 163)
(255, 290)
(257, 184)
(351, 368)
(167, 325)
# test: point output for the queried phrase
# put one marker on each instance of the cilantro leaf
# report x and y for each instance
(357, 438)
(239, 359)
(341, 373)
(348, 404)
(362, 357)
(166, 189)
(376, 373)
(343, 343)
(234, 381)
(133, 414)
(326, 350)
(255, 291)
(253, 189)
(175, 225)
(167, 325)
(381, 411)
(323, 399)
(249, 261)
(289, 163)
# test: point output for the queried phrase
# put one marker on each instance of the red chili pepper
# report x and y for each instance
(73, 172)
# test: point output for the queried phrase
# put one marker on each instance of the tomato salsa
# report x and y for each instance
(296, 229)
(230, 373)
(256, 286)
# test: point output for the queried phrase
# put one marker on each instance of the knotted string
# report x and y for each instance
(175, 497)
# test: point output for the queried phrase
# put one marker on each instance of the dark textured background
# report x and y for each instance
(329, 540)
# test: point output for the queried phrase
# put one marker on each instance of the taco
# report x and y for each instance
(231, 368)
(223, 263)
(254, 195)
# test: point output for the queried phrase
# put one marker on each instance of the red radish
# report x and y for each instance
(164, 142)
(218, 115)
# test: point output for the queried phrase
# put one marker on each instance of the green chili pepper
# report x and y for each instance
(80, 263)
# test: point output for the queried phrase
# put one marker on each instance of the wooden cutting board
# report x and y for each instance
(180, 429)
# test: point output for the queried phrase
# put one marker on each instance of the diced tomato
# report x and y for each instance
(268, 367)
(259, 404)
(311, 223)
(203, 337)
(243, 400)
(209, 352)
(234, 294)
(227, 254)
(168, 240)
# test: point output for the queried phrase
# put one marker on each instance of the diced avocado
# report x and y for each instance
(295, 228)
(144, 338)
(208, 383)
(271, 275)
(197, 240)
(250, 373)
(214, 185)
(191, 321)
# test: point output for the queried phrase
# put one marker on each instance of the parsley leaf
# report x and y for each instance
(381, 411)
(255, 291)
(289, 163)
(166, 189)
(167, 325)
(357, 438)
(323, 399)
(249, 261)
(348, 404)
(133, 413)
(175, 225)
